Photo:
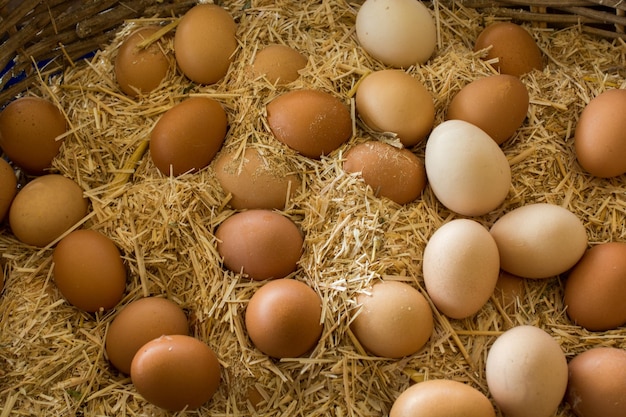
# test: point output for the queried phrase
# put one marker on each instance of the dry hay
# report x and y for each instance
(52, 359)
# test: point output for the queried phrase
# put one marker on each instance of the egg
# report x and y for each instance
(394, 101)
(262, 244)
(188, 136)
(510, 289)
(89, 270)
(597, 383)
(392, 320)
(600, 135)
(283, 318)
(45, 208)
(312, 122)
(460, 267)
(497, 104)
(205, 43)
(139, 322)
(539, 240)
(595, 288)
(388, 29)
(139, 69)
(279, 64)
(467, 171)
(31, 130)
(8, 187)
(512, 46)
(176, 372)
(395, 173)
(441, 398)
(526, 372)
(256, 179)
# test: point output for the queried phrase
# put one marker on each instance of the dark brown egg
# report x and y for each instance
(8, 187)
(278, 63)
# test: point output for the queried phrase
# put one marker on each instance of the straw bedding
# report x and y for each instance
(52, 359)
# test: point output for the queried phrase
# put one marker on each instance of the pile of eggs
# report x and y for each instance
(527, 372)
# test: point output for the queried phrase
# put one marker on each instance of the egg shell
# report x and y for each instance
(539, 240)
(188, 136)
(279, 64)
(513, 46)
(30, 128)
(283, 318)
(441, 398)
(256, 180)
(140, 70)
(467, 171)
(597, 383)
(205, 42)
(394, 101)
(89, 270)
(394, 173)
(393, 319)
(312, 122)
(139, 322)
(526, 372)
(176, 372)
(600, 135)
(497, 104)
(388, 29)
(8, 187)
(263, 244)
(595, 288)
(460, 267)
(510, 289)
(45, 208)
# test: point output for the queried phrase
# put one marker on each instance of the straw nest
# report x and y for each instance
(52, 359)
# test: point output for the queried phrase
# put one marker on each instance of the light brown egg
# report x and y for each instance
(140, 70)
(393, 319)
(205, 42)
(188, 136)
(442, 398)
(600, 136)
(256, 180)
(140, 322)
(280, 64)
(45, 208)
(394, 173)
(176, 372)
(312, 122)
(29, 132)
(497, 104)
(283, 318)
(89, 270)
(8, 187)
(595, 288)
(513, 46)
(394, 101)
(509, 289)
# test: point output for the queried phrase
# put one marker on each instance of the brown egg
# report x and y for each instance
(394, 320)
(394, 101)
(597, 383)
(45, 208)
(140, 70)
(89, 270)
(280, 64)
(176, 372)
(29, 128)
(509, 289)
(600, 137)
(497, 104)
(394, 173)
(263, 244)
(188, 136)
(595, 288)
(140, 322)
(205, 42)
(513, 46)
(283, 318)
(442, 398)
(8, 187)
(312, 122)
(256, 179)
